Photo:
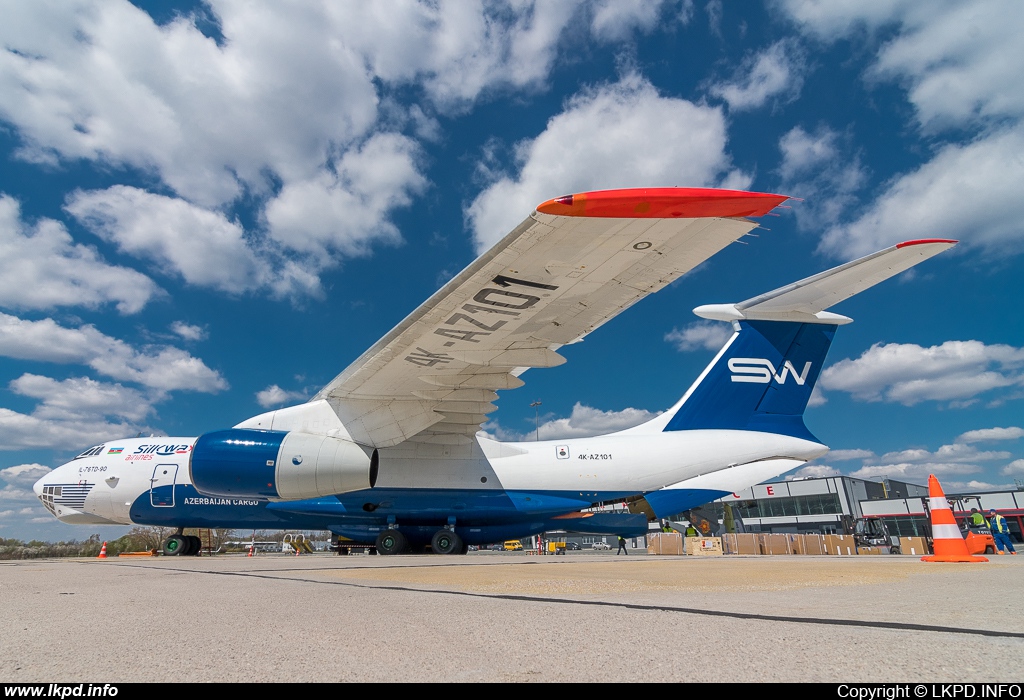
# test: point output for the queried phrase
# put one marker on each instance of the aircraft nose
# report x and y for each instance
(38, 486)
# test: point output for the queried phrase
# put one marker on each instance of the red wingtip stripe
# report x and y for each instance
(921, 241)
(663, 203)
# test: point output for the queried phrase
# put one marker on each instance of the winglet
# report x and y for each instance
(805, 301)
(663, 203)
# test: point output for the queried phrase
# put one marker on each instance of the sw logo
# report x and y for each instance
(562, 451)
(761, 371)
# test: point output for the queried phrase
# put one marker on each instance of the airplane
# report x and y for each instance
(390, 451)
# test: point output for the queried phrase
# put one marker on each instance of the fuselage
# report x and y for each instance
(485, 489)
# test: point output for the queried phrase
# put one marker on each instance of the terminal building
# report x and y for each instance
(827, 505)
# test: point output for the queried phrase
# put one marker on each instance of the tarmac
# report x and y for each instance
(512, 617)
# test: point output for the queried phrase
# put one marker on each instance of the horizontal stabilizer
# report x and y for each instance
(805, 301)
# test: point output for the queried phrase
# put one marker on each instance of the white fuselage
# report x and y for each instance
(102, 486)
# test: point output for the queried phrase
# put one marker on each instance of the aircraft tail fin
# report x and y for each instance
(763, 378)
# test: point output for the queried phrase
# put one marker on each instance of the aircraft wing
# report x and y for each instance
(573, 264)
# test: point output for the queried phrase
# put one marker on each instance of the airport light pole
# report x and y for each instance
(536, 417)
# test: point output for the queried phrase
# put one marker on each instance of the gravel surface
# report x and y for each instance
(512, 617)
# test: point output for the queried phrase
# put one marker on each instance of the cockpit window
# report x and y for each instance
(91, 452)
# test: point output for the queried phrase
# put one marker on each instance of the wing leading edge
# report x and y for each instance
(572, 265)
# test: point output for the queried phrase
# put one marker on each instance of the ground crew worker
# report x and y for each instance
(622, 546)
(1000, 532)
(691, 531)
(977, 519)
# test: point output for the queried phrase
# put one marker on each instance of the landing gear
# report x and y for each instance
(391, 542)
(196, 546)
(175, 545)
(179, 545)
(446, 542)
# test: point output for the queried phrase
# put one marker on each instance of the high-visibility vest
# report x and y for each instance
(999, 523)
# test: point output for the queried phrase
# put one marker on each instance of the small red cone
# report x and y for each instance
(103, 551)
(947, 541)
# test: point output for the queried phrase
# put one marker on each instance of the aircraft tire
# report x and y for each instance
(446, 542)
(391, 542)
(197, 546)
(174, 546)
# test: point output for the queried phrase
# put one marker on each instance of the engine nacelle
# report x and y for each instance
(243, 463)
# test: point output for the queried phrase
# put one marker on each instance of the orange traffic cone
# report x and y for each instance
(949, 544)
(103, 551)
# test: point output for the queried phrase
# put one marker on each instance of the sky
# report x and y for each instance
(209, 209)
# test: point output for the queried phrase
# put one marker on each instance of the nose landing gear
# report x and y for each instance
(181, 545)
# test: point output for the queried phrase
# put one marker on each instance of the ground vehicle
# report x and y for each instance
(551, 547)
(513, 546)
(600, 545)
(978, 538)
(872, 532)
(573, 546)
(410, 408)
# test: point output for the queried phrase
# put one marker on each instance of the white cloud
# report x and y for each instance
(916, 463)
(1014, 467)
(706, 335)
(963, 67)
(24, 474)
(611, 136)
(776, 72)
(158, 367)
(188, 332)
(616, 20)
(910, 374)
(284, 108)
(819, 168)
(973, 192)
(845, 455)
(274, 395)
(960, 61)
(21, 431)
(988, 434)
(713, 9)
(72, 413)
(914, 472)
(975, 485)
(956, 453)
(16, 493)
(584, 421)
(813, 471)
(178, 238)
(817, 397)
(101, 81)
(457, 50)
(81, 398)
(41, 268)
(345, 211)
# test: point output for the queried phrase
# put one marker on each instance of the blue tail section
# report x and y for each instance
(761, 381)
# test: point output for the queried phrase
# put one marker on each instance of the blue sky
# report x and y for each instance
(207, 210)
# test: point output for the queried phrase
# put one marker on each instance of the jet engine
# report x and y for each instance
(279, 465)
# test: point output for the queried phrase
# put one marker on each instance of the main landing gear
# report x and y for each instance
(181, 545)
(444, 541)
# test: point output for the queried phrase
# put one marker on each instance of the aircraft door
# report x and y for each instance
(161, 485)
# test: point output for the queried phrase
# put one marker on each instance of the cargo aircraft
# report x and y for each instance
(390, 452)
